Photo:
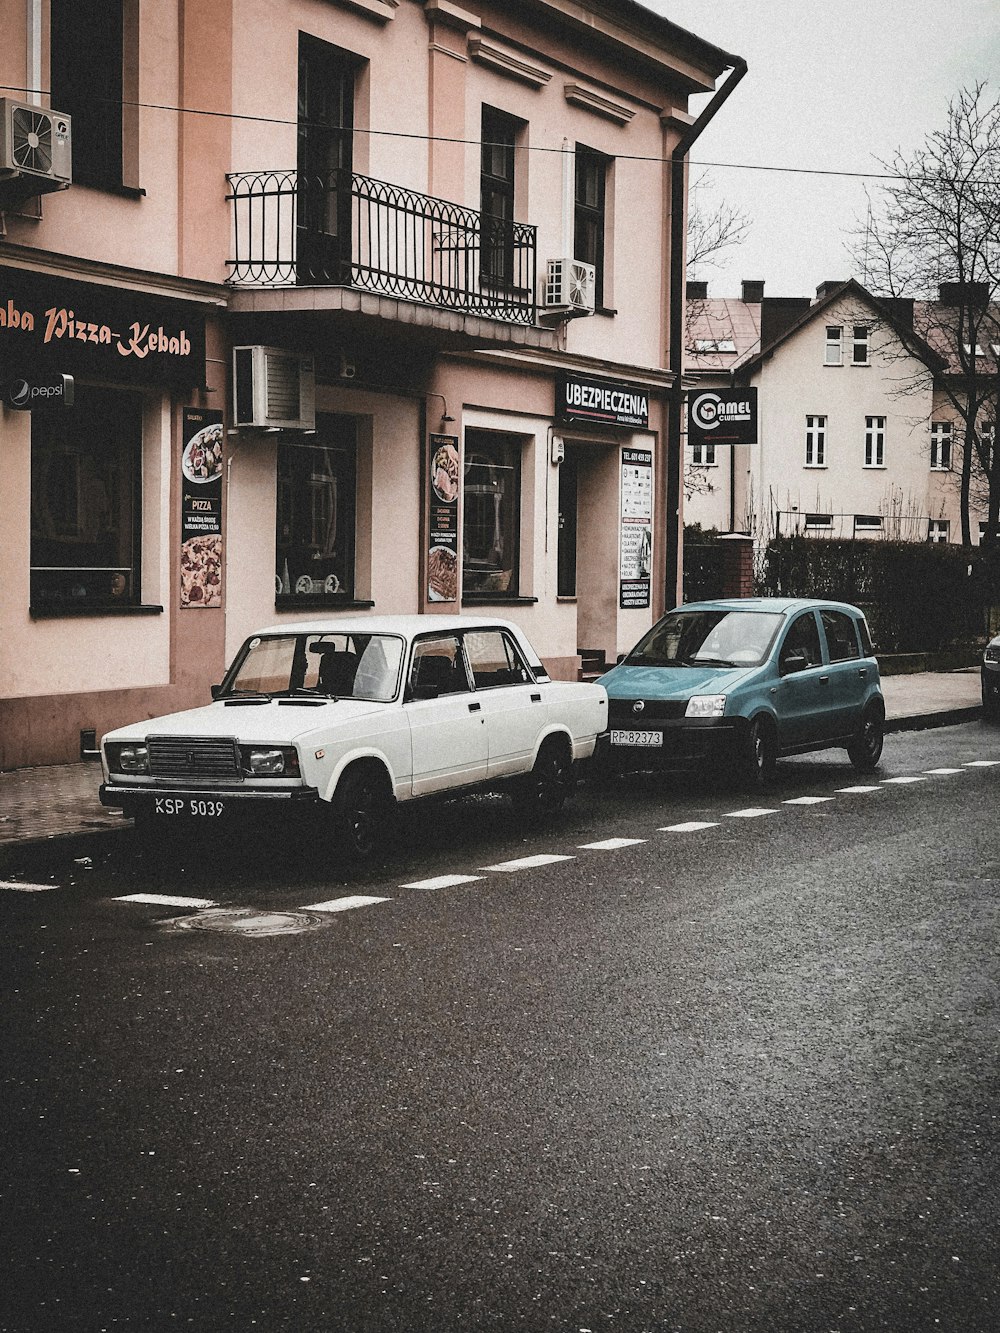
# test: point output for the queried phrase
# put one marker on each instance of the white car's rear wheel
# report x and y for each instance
(544, 790)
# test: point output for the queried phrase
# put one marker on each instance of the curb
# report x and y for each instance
(949, 717)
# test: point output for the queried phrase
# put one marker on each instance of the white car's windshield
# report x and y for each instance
(336, 666)
(707, 638)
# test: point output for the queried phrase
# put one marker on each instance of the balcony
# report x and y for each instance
(353, 232)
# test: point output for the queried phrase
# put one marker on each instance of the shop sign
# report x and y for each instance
(442, 556)
(636, 529)
(201, 508)
(38, 393)
(51, 325)
(723, 416)
(580, 398)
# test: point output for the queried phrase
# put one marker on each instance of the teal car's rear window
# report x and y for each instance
(708, 638)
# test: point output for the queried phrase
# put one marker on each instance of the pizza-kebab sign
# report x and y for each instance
(723, 416)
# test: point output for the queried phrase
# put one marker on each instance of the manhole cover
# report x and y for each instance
(246, 921)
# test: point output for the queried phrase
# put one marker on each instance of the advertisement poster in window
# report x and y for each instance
(636, 531)
(442, 557)
(201, 508)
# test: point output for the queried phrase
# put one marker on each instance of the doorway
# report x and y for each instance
(325, 162)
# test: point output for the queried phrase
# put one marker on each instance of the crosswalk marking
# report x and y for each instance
(752, 812)
(528, 862)
(858, 789)
(982, 763)
(21, 886)
(611, 844)
(902, 781)
(165, 900)
(441, 882)
(807, 800)
(345, 904)
(942, 771)
(692, 826)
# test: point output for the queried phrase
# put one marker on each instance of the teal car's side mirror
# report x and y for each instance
(793, 663)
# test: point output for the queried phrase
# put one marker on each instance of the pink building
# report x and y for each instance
(365, 304)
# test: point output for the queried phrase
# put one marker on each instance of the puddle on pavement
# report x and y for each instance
(247, 921)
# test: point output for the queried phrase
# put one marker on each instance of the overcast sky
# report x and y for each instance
(829, 87)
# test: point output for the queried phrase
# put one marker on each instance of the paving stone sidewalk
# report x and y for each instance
(37, 804)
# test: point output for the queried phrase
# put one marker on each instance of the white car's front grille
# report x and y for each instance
(193, 757)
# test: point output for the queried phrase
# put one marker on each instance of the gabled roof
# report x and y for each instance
(937, 322)
(725, 320)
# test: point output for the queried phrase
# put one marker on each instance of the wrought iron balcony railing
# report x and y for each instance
(350, 231)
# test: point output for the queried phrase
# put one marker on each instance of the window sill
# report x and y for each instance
(122, 191)
(607, 310)
(833, 365)
(935, 468)
(569, 599)
(496, 599)
(875, 467)
(861, 365)
(94, 609)
(331, 603)
(816, 467)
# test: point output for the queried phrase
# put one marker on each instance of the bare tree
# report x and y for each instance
(711, 232)
(933, 236)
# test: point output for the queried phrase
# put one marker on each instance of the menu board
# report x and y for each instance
(201, 508)
(442, 555)
(636, 529)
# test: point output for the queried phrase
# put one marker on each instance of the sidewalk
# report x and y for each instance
(38, 804)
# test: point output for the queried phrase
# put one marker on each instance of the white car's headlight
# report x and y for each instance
(128, 757)
(270, 761)
(706, 705)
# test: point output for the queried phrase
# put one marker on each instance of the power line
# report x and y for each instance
(522, 148)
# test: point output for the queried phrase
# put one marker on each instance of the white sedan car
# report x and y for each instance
(353, 715)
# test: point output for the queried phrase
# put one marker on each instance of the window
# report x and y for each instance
(324, 162)
(987, 439)
(874, 441)
(841, 639)
(941, 446)
(703, 455)
(589, 213)
(938, 530)
(500, 133)
(867, 522)
(815, 441)
(494, 660)
(968, 349)
(859, 351)
(802, 640)
(492, 513)
(86, 80)
(438, 667)
(819, 520)
(86, 468)
(834, 345)
(315, 513)
(714, 345)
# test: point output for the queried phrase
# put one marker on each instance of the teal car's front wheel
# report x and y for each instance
(756, 754)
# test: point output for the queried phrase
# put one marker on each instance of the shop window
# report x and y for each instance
(590, 213)
(87, 72)
(492, 518)
(86, 467)
(316, 514)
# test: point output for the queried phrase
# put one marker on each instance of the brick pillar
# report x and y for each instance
(737, 569)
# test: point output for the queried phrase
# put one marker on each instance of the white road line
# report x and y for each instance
(344, 904)
(20, 886)
(610, 844)
(982, 763)
(942, 771)
(692, 826)
(807, 800)
(165, 900)
(441, 882)
(527, 863)
(752, 812)
(854, 789)
(901, 781)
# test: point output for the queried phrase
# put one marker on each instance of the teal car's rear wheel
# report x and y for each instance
(865, 750)
(756, 754)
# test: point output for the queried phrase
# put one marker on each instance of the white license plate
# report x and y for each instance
(198, 807)
(639, 738)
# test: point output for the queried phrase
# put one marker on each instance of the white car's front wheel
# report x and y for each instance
(363, 806)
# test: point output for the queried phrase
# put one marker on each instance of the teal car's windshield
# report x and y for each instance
(707, 638)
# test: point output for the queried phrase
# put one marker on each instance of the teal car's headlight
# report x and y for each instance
(706, 705)
(132, 757)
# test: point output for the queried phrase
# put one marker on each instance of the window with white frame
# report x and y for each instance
(874, 441)
(867, 522)
(938, 529)
(834, 345)
(815, 521)
(703, 455)
(859, 351)
(987, 439)
(815, 441)
(940, 446)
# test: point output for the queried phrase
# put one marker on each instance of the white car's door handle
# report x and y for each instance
(475, 708)
(536, 698)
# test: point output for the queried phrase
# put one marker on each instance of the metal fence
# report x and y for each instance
(352, 231)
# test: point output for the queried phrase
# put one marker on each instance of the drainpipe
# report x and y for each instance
(675, 404)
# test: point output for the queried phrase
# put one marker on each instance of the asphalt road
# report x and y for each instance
(736, 1077)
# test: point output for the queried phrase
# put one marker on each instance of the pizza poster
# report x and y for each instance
(636, 529)
(201, 508)
(442, 555)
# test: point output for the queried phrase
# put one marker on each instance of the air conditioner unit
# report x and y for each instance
(569, 287)
(273, 388)
(35, 147)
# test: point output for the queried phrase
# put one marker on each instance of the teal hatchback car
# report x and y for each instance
(742, 682)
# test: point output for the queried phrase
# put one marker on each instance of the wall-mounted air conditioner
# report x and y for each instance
(569, 287)
(273, 388)
(35, 148)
